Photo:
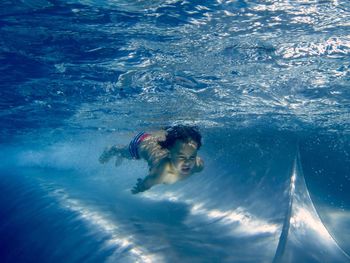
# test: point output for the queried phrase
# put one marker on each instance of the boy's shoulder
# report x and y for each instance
(158, 134)
(161, 165)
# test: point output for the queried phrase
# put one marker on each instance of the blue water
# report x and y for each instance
(267, 82)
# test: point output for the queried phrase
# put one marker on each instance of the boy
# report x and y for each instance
(171, 155)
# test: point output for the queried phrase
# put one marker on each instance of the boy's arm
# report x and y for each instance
(199, 165)
(120, 152)
(150, 180)
(144, 184)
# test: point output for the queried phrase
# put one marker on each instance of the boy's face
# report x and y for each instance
(183, 156)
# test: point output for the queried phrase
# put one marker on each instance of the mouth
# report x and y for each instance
(185, 169)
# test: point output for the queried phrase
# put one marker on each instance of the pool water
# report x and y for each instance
(267, 83)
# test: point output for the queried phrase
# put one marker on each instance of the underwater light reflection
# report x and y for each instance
(248, 224)
(123, 242)
(303, 218)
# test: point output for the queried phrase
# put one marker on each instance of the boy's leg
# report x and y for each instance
(119, 151)
(107, 154)
(123, 153)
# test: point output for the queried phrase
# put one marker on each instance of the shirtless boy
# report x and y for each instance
(171, 155)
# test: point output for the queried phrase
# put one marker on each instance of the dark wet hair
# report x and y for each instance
(183, 133)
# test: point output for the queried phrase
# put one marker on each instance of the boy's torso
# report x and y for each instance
(167, 174)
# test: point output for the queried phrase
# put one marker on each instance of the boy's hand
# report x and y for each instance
(139, 187)
(199, 165)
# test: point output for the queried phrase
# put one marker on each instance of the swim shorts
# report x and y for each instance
(133, 146)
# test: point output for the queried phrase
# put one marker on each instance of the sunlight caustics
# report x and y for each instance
(304, 227)
(124, 243)
(303, 218)
(304, 215)
(239, 220)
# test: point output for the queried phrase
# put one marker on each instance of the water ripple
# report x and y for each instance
(284, 60)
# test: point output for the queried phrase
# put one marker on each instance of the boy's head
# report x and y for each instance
(183, 142)
(181, 133)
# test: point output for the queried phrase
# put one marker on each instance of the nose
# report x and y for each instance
(187, 160)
